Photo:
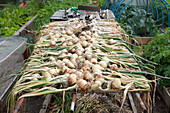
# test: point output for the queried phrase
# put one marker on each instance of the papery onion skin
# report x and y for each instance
(72, 79)
(82, 84)
(116, 84)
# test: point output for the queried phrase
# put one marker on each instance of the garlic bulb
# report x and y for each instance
(79, 74)
(64, 69)
(106, 59)
(82, 38)
(86, 68)
(62, 39)
(74, 56)
(74, 62)
(73, 50)
(51, 34)
(95, 35)
(87, 63)
(71, 71)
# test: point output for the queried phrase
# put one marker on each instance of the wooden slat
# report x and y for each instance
(89, 8)
(132, 103)
(45, 103)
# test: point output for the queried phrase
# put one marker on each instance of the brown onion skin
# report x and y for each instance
(82, 84)
(72, 79)
(116, 84)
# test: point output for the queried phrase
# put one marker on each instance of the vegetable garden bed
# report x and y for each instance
(22, 32)
(50, 49)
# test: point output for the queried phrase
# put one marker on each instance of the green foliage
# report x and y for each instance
(133, 21)
(158, 50)
(12, 17)
(160, 12)
(52, 6)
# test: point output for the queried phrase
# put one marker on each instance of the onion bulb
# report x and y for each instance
(114, 67)
(111, 41)
(95, 35)
(47, 75)
(83, 33)
(52, 71)
(103, 64)
(72, 79)
(96, 85)
(68, 32)
(68, 63)
(116, 84)
(88, 32)
(88, 76)
(82, 84)
(84, 43)
(70, 43)
(96, 68)
(57, 35)
(93, 60)
(52, 59)
(52, 43)
(63, 32)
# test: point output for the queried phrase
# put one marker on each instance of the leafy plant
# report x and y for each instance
(133, 21)
(160, 12)
(12, 17)
(158, 50)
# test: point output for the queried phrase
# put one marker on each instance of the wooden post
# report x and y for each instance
(17, 108)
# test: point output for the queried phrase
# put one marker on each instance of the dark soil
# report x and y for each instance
(94, 103)
(101, 103)
(160, 106)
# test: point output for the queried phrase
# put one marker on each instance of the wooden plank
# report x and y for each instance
(45, 103)
(142, 40)
(89, 8)
(166, 96)
(27, 26)
(132, 103)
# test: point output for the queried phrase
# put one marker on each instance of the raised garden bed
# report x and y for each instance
(19, 60)
(139, 40)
